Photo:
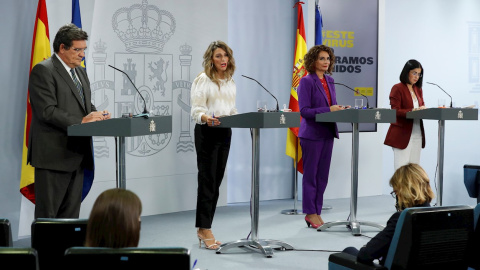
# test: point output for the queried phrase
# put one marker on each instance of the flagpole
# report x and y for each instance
(294, 211)
(298, 73)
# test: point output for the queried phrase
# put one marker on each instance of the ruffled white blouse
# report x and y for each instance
(206, 98)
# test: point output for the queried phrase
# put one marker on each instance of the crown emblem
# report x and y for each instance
(185, 49)
(460, 115)
(143, 28)
(100, 46)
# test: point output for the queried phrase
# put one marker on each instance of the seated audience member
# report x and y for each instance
(114, 220)
(411, 188)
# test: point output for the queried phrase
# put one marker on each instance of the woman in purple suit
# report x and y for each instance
(316, 94)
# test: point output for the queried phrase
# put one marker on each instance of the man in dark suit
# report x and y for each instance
(60, 96)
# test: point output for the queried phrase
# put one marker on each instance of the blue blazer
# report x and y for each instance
(312, 100)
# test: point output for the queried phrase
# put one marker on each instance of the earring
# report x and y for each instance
(211, 65)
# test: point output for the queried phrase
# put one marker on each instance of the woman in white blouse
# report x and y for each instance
(212, 96)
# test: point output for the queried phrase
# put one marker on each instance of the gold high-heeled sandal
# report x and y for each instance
(213, 246)
(202, 238)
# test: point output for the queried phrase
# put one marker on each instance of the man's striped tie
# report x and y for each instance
(78, 85)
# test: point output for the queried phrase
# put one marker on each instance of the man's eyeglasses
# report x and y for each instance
(394, 195)
(79, 50)
(417, 74)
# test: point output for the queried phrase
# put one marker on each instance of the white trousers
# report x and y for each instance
(411, 154)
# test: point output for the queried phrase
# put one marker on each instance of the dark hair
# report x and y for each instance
(114, 220)
(411, 64)
(66, 35)
(209, 67)
(312, 56)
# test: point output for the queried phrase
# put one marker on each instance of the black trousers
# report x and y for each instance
(58, 194)
(212, 146)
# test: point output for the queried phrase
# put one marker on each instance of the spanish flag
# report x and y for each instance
(40, 52)
(299, 72)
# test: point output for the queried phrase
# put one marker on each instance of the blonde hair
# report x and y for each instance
(411, 185)
(209, 67)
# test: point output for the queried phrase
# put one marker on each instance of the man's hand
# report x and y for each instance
(96, 116)
(106, 114)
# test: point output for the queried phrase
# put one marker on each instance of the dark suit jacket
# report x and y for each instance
(377, 247)
(399, 133)
(312, 100)
(56, 104)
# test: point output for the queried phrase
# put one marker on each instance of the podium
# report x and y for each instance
(121, 128)
(256, 121)
(442, 114)
(355, 116)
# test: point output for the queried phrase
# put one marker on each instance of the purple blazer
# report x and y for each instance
(313, 100)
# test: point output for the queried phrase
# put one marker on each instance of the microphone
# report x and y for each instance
(356, 91)
(145, 111)
(263, 88)
(451, 101)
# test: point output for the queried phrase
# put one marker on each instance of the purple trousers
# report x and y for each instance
(316, 155)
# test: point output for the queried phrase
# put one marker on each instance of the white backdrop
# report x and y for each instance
(262, 35)
(439, 34)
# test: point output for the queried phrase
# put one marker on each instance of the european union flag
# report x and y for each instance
(88, 175)
(76, 19)
(318, 25)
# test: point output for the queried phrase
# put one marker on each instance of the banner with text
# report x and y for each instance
(350, 27)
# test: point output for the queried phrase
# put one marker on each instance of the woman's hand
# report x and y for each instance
(419, 108)
(210, 121)
(335, 108)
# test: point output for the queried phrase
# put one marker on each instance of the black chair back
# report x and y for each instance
(471, 179)
(51, 237)
(425, 238)
(432, 238)
(81, 258)
(18, 258)
(475, 251)
(5, 233)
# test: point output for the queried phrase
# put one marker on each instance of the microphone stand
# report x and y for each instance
(277, 110)
(451, 101)
(356, 91)
(145, 112)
